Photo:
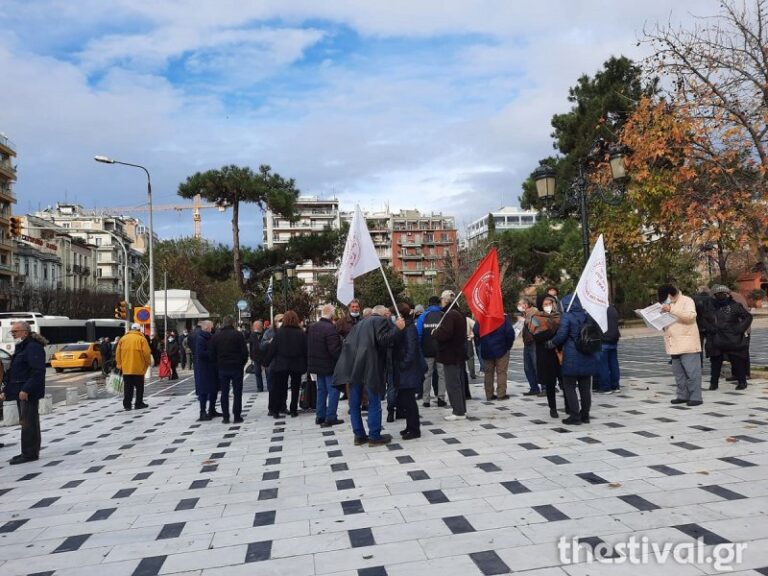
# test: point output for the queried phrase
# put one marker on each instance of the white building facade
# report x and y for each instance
(507, 218)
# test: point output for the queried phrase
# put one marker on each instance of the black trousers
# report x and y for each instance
(131, 381)
(408, 407)
(584, 385)
(278, 394)
(29, 418)
(738, 368)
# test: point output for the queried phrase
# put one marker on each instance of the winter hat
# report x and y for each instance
(135, 326)
(447, 295)
(720, 289)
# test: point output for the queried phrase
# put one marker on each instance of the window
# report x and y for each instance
(98, 241)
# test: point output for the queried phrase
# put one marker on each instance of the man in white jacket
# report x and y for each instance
(683, 344)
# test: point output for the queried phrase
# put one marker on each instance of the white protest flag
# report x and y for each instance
(592, 288)
(359, 257)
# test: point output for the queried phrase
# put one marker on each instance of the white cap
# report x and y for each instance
(447, 295)
(135, 326)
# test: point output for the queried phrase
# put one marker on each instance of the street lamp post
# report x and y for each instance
(107, 160)
(284, 273)
(579, 189)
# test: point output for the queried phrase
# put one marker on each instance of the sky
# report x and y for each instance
(436, 105)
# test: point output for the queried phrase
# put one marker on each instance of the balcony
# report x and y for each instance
(414, 272)
(409, 242)
(7, 144)
(411, 256)
(7, 168)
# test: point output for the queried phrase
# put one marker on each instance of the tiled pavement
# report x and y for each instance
(154, 492)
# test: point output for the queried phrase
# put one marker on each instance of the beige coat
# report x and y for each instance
(682, 337)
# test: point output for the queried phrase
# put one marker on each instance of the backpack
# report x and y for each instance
(590, 340)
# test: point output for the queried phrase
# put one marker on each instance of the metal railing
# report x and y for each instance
(5, 141)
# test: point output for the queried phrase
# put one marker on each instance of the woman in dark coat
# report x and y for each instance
(174, 354)
(725, 323)
(288, 356)
(206, 375)
(577, 368)
(409, 368)
(543, 325)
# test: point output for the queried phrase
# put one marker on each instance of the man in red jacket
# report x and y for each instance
(451, 337)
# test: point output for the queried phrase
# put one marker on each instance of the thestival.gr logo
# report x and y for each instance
(482, 291)
(596, 289)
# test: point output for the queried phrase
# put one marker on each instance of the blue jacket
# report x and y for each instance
(206, 374)
(574, 362)
(497, 343)
(27, 370)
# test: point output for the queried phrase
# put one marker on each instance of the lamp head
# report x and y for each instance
(104, 159)
(544, 176)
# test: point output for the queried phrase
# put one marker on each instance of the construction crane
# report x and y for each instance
(196, 207)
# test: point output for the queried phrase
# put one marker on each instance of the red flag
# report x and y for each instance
(483, 294)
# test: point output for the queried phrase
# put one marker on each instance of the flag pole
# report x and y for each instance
(391, 295)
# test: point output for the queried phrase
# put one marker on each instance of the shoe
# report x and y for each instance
(294, 413)
(713, 387)
(741, 386)
(404, 432)
(270, 413)
(585, 419)
(383, 440)
(141, 406)
(127, 408)
(505, 397)
(319, 421)
(531, 393)
(390, 416)
(694, 403)
(571, 421)
(21, 459)
(361, 440)
(276, 415)
(606, 392)
(493, 397)
(426, 404)
(452, 417)
(225, 420)
(441, 403)
(553, 414)
(678, 401)
(238, 420)
(203, 417)
(329, 423)
(214, 414)
(410, 435)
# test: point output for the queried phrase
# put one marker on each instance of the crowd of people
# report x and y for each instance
(401, 355)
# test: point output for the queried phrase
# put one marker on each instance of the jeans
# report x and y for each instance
(232, 376)
(687, 371)
(131, 381)
(529, 366)
(608, 364)
(29, 418)
(355, 414)
(257, 369)
(327, 399)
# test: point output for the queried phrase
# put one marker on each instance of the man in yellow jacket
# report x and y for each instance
(133, 357)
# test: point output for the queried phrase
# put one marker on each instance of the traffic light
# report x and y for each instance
(15, 226)
(121, 310)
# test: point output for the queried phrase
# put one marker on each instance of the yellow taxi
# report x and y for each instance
(81, 356)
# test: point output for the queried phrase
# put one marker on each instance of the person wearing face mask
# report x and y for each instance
(174, 354)
(543, 326)
(608, 357)
(681, 341)
(726, 323)
(266, 341)
(527, 310)
(345, 324)
(254, 350)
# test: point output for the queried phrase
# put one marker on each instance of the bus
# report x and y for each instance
(58, 330)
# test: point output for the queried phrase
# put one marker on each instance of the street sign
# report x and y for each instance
(242, 305)
(245, 314)
(141, 314)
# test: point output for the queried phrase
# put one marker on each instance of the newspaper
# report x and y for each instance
(655, 318)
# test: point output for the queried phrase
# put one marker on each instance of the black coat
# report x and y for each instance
(612, 335)
(364, 357)
(547, 362)
(408, 360)
(451, 337)
(725, 326)
(27, 370)
(288, 350)
(254, 347)
(323, 347)
(228, 349)
(105, 348)
(174, 351)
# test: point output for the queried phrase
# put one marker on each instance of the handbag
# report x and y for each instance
(115, 382)
(165, 366)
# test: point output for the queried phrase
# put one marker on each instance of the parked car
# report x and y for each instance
(81, 356)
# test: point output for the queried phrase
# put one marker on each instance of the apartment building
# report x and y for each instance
(423, 245)
(506, 218)
(313, 215)
(7, 200)
(109, 234)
